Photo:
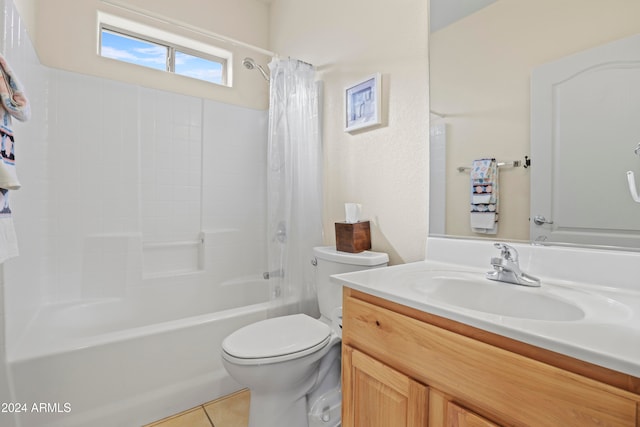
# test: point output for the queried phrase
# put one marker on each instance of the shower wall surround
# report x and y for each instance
(25, 277)
(20, 299)
(121, 183)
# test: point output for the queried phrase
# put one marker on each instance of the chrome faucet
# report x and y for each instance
(506, 268)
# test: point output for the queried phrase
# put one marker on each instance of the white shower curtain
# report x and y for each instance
(294, 186)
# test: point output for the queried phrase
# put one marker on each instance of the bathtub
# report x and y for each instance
(129, 361)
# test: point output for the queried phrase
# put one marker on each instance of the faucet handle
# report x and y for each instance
(507, 252)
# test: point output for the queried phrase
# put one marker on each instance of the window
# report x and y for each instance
(162, 51)
(198, 67)
(131, 49)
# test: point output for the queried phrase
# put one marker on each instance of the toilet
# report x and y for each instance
(291, 364)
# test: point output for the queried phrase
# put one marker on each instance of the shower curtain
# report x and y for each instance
(294, 186)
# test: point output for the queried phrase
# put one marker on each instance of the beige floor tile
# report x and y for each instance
(193, 418)
(230, 411)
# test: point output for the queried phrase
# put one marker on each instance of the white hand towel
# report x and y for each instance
(482, 222)
(480, 199)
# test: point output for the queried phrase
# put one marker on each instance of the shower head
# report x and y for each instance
(250, 64)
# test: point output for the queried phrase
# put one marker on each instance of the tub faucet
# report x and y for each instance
(506, 268)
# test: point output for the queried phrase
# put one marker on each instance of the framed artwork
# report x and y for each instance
(362, 104)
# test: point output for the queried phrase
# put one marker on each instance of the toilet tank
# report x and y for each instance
(331, 261)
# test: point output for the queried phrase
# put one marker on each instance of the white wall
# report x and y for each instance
(386, 168)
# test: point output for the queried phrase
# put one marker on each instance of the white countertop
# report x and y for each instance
(607, 334)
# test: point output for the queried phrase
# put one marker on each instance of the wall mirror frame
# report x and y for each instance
(481, 96)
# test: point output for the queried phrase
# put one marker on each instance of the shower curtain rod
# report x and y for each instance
(148, 14)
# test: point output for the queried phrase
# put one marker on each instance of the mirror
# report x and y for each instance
(480, 95)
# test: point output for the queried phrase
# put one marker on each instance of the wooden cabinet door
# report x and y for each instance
(457, 416)
(375, 395)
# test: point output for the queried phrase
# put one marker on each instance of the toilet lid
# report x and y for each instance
(276, 337)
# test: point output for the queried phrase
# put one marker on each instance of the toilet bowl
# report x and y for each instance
(291, 364)
(281, 375)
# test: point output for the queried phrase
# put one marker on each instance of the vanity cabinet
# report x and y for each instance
(405, 367)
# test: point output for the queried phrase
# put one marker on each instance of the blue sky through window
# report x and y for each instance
(132, 50)
(198, 68)
(148, 54)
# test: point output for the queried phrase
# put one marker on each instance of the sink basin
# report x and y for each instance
(472, 291)
(505, 300)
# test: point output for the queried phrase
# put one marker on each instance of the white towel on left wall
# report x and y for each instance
(14, 104)
(8, 239)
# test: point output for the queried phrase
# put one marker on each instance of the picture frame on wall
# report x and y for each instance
(362, 104)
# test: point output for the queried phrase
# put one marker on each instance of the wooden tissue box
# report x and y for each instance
(353, 237)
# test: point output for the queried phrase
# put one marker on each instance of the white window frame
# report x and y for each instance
(173, 42)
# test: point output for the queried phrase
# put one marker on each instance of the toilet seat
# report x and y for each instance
(276, 340)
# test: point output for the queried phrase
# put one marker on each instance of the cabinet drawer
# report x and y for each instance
(492, 382)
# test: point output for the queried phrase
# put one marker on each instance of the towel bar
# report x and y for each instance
(513, 164)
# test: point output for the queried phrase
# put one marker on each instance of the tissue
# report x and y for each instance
(352, 212)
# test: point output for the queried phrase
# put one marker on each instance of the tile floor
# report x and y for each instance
(228, 411)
